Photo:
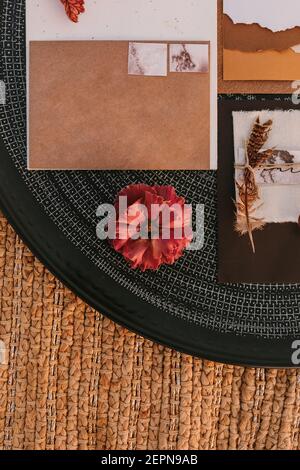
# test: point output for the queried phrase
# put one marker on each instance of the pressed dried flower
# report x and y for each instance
(151, 253)
(73, 8)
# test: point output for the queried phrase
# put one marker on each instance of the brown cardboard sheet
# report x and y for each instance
(87, 112)
(246, 86)
(278, 245)
(253, 37)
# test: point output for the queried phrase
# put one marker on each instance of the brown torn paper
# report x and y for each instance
(253, 37)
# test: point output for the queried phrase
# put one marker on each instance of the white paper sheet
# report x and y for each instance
(277, 15)
(281, 202)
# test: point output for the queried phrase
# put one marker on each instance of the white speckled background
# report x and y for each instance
(188, 20)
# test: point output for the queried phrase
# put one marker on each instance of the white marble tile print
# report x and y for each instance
(148, 59)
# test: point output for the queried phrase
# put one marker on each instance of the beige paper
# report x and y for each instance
(280, 202)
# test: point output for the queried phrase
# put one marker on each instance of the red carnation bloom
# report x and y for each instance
(73, 8)
(173, 218)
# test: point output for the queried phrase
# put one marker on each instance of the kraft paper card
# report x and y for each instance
(261, 40)
(119, 105)
(259, 192)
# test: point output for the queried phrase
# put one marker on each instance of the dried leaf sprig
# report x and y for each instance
(73, 8)
(248, 191)
(183, 60)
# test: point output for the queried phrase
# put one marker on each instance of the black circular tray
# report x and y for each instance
(181, 306)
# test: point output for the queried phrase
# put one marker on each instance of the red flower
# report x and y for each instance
(73, 8)
(168, 229)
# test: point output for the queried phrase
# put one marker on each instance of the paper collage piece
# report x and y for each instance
(189, 58)
(268, 129)
(281, 167)
(267, 169)
(147, 59)
(151, 59)
(261, 40)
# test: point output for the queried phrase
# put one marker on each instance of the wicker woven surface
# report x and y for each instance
(72, 379)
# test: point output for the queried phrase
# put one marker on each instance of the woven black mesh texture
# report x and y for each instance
(189, 289)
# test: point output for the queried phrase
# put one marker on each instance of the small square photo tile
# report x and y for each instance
(189, 58)
(147, 59)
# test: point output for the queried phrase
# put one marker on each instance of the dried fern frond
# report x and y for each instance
(246, 206)
(242, 225)
(246, 222)
(248, 191)
(258, 137)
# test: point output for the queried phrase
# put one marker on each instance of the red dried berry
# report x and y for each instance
(73, 8)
